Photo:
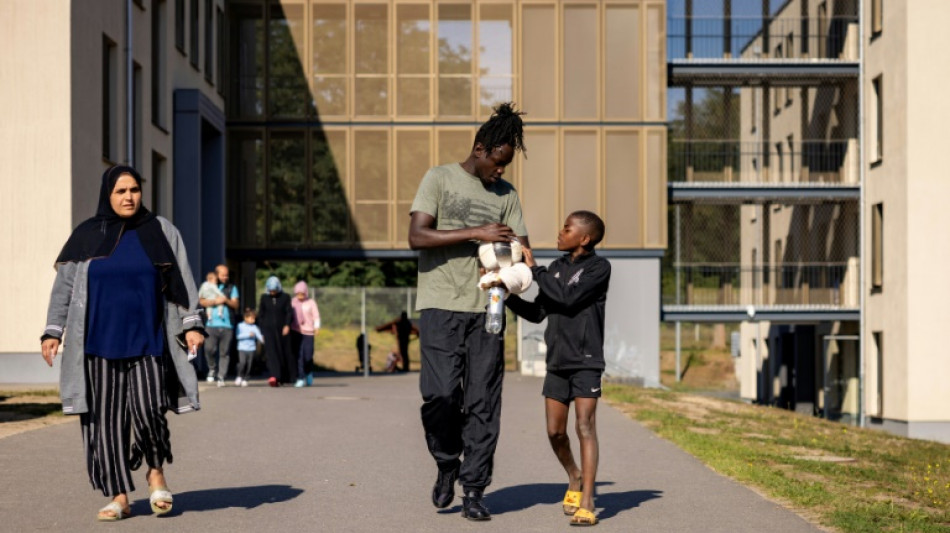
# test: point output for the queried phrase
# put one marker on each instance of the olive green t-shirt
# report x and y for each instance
(448, 275)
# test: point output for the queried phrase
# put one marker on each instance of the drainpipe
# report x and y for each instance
(129, 96)
(861, 203)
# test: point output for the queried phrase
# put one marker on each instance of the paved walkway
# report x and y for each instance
(348, 455)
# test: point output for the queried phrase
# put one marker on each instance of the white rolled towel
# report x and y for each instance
(486, 254)
(517, 251)
(517, 278)
(487, 280)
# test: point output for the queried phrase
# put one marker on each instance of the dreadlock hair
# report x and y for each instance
(593, 223)
(504, 127)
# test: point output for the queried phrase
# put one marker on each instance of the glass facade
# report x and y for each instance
(337, 108)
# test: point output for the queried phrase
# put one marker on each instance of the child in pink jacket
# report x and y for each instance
(306, 324)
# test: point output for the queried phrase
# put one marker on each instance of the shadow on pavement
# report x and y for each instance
(614, 503)
(223, 498)
(521, 497)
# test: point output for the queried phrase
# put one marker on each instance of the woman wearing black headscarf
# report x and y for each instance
(125, 299)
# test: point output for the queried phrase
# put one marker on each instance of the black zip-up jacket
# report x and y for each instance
(573, 297)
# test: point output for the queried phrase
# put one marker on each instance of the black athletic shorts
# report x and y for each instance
(565, 385)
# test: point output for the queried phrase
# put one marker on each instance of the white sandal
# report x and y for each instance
(114, 507)
(158, 495)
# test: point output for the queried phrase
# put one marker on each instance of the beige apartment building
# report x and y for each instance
(904, 216)
(89, 85)
(829, 116)
(300, 129)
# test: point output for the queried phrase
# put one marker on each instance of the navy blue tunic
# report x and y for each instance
(125, 303)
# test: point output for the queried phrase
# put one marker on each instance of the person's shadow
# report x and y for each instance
(223, 498)
(520, 497)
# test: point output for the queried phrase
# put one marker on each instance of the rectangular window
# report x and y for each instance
(159, 29)
(287, 180)
(413, 60)
(539, 185)
(180, 25)
(580, 74)
(877, 17)
(193, 27)
(624, 183)
(371, 191)
(622, 62)
(209, 41)
(109, 99)
(780, 161)
(219, 51)
(413, 154)
(330, 45)
(790, 53)
(822, 29)
(161, 187)
(247, 198)
(495, 56)
(790, 140)
(877, 119)
(539, 60)
(287, 83)
(581, 162)
(135, 158)
(246, 89)
(371, 60)
(877, 246)
(879, 344)
(455, 60)
(329, 211)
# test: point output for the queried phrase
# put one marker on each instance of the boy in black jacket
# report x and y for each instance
(573, 295)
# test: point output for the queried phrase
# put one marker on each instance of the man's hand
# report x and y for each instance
(220, 300)
(50, 347)
(194, 340)
(285, 331)
(493, 232)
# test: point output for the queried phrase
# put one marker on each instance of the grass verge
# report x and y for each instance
(25, 404)
(846, 478)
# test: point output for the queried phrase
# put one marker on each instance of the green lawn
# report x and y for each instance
(846, 478)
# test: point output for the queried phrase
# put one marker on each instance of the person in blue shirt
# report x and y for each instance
(247, 336)
(220, 326)
(124, 301)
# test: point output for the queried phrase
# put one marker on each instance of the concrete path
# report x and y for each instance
(348, 455)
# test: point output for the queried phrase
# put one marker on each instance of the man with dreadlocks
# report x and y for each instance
(456, 207)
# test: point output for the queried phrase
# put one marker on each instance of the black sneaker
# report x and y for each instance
(472, 506)
(443, 492)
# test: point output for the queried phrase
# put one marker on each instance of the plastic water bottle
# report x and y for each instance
(495, 319)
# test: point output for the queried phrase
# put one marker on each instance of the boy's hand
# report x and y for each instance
(528, 257)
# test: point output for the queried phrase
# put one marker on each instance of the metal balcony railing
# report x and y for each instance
(794, 284)
(746, 38)
(827, 161)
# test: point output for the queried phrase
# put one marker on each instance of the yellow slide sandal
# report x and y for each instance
(572, 502)
(583, 517)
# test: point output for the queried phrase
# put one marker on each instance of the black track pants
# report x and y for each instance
(460, 381)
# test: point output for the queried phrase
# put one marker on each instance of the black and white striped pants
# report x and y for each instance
(126, 401)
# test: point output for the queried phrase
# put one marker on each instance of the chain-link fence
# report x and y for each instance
(762, 255)
(345, 312)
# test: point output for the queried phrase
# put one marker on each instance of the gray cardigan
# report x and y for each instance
(66, 320)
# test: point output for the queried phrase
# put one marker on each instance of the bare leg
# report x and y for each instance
(586, 411)
(156, 478)
(557, 435)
